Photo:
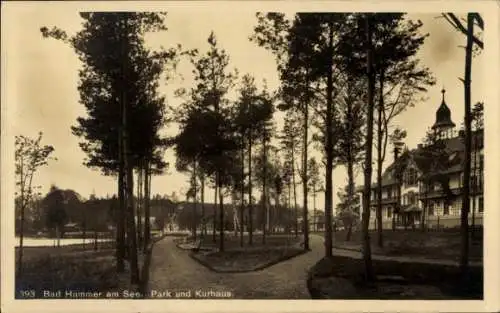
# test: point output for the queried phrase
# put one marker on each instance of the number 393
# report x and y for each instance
(27, 293)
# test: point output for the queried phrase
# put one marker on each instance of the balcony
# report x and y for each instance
(391, 200)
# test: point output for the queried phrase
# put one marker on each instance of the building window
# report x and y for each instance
(389, 192)
(455, 208)
(411, 177)
(446, 210)
(412, 199)
(481, 205)
(431, 208)
(389, 212)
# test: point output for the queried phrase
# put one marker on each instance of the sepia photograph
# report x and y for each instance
(206, 154)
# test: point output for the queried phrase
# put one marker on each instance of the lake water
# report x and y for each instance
(44, 242)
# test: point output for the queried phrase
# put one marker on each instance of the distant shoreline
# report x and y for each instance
(49, 242)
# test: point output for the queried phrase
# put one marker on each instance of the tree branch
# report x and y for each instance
(479, 20)
(455, 22)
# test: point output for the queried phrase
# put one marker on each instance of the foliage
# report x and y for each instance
(347, 210)
(478, 116)
(30, 156)
(457, 23)
(314, 183)
(265, 165)
(306, 52)
(350, 122)
(401, 78)
(207, 108)
(117, 62)
(118, 87)
(56, 216)
(290, 136)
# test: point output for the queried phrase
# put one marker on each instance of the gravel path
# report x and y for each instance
(172, 269)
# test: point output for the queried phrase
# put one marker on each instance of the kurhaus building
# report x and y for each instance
(430, 201)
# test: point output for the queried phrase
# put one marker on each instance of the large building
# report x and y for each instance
(430, 190)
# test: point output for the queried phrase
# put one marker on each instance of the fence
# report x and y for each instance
(450, 221)
(432, 222)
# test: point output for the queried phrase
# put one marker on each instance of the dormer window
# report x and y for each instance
(411, 177)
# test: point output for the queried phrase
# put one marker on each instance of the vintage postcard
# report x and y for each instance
(184, 154)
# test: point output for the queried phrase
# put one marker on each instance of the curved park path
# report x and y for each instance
(173, 269)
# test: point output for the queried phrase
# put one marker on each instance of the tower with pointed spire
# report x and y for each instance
(444, 126)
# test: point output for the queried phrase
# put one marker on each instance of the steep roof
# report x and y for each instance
(443, 116)
(455, 149)
(389, 177)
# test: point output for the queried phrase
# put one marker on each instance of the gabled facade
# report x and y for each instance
(427, 201)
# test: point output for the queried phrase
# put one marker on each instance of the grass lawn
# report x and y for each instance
(71, 268)
(443, 244)
(232, 242)
(419, 281)
(91, 271)
(235, 258)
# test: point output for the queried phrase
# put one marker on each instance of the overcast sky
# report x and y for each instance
(43, 75)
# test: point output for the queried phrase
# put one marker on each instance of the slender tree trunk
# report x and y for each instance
(129, 190)
(380, 239)
(268, 212)
(204, 226)
(139, 205)
(120, 221)
(250, 205)
(147, 208)
(195, 204)
(464, 217)
(426, 204)
(289, 209)
(242, 207)
(305, 177)
(329, 152)
(295, 206)
(368, 157)
(221, 215)
(85, 228)
(276, 210)
(315, 220)
(214, 222)
(134, 267)
(398, 194)
(474, 187)
(264, 193)
(350, 169)
(21, 226)
(235, 214)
